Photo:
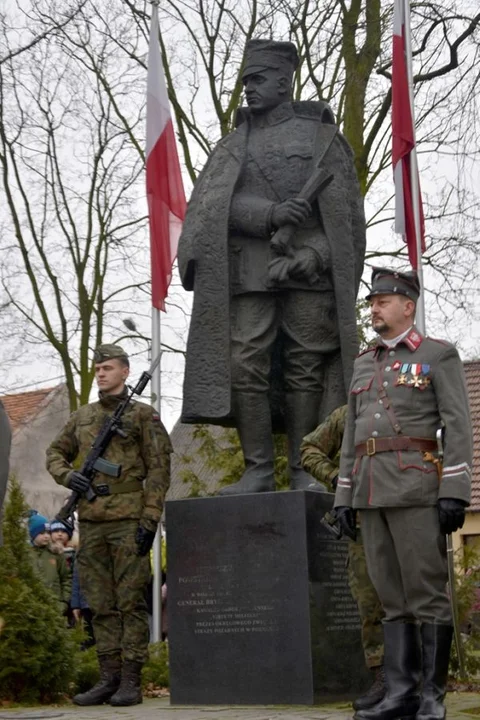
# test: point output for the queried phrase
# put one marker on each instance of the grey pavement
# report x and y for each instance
(461, 706)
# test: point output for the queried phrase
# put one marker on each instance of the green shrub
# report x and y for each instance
(37, 649)
(87, 671)
(155, 670)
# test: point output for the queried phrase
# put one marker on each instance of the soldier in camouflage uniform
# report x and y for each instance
(321, 457)
(118, 528)
(404, 389)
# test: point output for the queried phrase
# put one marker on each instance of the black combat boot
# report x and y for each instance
(402, 673)
(254, 425)
(110, 672)
(130, 690)
(301, 418)
(436, 643)
(376, 691)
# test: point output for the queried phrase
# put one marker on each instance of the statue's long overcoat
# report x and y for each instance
(204, 267)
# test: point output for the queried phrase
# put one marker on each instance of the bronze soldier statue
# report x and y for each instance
(273, 246)
(403, 390)
(5, 442)
(118, 527)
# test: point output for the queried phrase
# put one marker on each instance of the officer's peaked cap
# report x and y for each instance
(261, 55)
(109, 352)
(392, 282)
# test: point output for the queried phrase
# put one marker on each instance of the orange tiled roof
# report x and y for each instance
(23, 406)
(472, 372)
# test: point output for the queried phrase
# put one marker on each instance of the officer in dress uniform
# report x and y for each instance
(404, 389)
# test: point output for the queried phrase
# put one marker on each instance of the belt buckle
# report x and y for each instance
(102, 490)
(370, 446)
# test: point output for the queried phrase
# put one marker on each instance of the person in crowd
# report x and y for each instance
(61, 534)
(116, 529)
(405, 390)
(320, 453)
(80, 609)
(5, 443)
(49, 563)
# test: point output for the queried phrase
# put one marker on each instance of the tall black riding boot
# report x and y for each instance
(130, 690)
(254, 425)
(110, 670)
(301, 418)
(402, 672)
(436, 644)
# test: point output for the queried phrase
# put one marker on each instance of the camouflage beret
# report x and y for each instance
(109, 352)
(392, 282)
(263, 54)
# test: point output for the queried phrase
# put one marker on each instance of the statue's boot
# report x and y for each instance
(402, 671)
(301, 417)
(254, 425)
(436, 643)
(107, 686)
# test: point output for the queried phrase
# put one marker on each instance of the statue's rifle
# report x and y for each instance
(281, 240)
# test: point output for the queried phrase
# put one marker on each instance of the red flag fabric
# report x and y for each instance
(165, 193)
(403, 141)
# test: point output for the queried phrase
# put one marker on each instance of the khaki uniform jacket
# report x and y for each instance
(425, 386)
(5, 442)
(320, 449)
(144, 455)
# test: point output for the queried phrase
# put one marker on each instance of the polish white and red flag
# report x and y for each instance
(165, 193)
(403, 141)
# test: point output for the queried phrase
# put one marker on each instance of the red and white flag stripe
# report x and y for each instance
(165, 193)
(403, 139)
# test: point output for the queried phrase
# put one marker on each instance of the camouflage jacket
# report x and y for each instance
(144, 455)
(320, 449)
(409, 390)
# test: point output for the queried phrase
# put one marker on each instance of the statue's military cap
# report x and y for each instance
(264, 54)
(109, 352)
(392, 282)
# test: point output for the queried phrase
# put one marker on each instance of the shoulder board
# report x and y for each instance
(367, 350)
(438, 340)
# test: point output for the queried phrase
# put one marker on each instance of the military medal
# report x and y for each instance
(402, 378)
(396, 365)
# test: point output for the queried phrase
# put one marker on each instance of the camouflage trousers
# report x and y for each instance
(113, 579)
(369, 606)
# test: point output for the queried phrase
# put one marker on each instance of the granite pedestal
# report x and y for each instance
(259, 609)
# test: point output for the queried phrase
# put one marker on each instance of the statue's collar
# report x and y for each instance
(279, 114)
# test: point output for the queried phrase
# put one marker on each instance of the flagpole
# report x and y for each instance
(157, 545)
(420, 313)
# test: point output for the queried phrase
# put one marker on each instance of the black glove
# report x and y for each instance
(451, 514)
(144, 539)
(78, 482)
(347, 519)
(334, 482)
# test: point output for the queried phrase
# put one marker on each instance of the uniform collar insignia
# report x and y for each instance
(413, 340)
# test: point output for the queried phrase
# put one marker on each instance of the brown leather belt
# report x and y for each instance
(388, 444)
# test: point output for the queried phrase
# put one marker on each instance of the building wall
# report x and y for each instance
(470, 533)
(27, 459)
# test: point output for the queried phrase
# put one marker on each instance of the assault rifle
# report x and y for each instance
(95, 462)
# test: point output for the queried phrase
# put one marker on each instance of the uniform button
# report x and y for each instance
(380, 402)
(377, 416)
(375, 433)
(385, 383)
(388, 368)
(391, 353)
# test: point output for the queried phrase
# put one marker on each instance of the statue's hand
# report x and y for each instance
(305, 265)
(290, 212)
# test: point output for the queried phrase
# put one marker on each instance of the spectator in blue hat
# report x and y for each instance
(50, 565)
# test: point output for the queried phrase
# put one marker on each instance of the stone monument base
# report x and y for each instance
(259, 608)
